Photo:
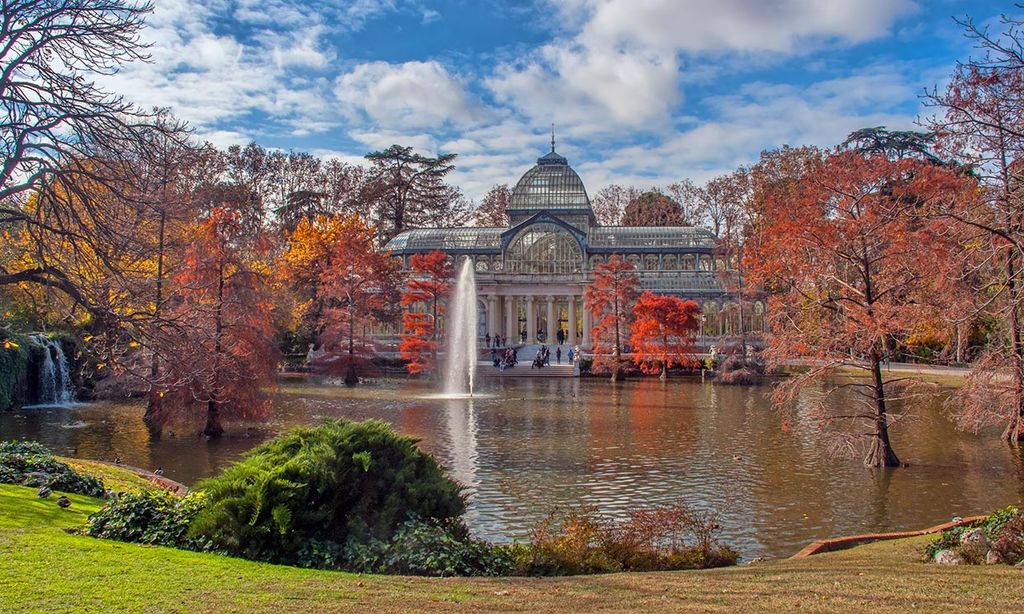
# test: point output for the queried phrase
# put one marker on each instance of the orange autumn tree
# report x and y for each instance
(358, 289)
(848, 266)
(303, 265)
(663, 332)
(224, 360)
(429, 282)
(610, 296)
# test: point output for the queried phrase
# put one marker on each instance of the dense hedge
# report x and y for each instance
(155, 517)
(31, 464)
(326, 484)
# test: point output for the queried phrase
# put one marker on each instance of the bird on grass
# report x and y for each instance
(44, 492)
(159, 471)
(64, 502)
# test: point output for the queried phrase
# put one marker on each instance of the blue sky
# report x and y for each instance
(640, 91)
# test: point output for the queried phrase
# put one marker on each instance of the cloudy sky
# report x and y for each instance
(640, 91)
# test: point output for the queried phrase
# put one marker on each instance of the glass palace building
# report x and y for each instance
(531, 277)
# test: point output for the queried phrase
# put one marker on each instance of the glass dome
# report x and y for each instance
(551, 184)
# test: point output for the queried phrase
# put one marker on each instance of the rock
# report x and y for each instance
(975, 538)
(949, 557)
(64, 502)
(993, 558)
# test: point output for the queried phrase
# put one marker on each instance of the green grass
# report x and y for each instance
(45, 569)
(114, 478)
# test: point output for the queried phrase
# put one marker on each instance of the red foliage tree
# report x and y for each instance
(652, 209)
(848, 266)
(359, 289)
(663, 332)
(982, 126)
(225, 358)
(610, 298)
(429, 282)
(493, 210)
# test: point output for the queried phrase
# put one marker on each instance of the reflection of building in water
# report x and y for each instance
(532, 275)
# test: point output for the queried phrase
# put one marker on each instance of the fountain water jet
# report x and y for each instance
(461, 359)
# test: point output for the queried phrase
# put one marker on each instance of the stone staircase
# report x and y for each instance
(526, 355)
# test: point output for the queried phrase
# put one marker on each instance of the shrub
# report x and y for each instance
(30, 464)
(418, 548)
(153, 517)
(317, 486)
(1004, 527)
(666, 538)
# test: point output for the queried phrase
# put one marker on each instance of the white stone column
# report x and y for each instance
(492, 314)
(550, 324)
(510, 303)
(572, 320)
(586, 325)
(531, 319)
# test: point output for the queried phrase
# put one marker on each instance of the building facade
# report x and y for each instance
(531, 276)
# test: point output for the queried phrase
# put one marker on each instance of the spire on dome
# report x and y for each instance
(552, 137)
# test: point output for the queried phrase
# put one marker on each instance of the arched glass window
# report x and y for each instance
(595, 260)
(483, 264)
(544, 249)
(650, 262)
(669, 262)
(688, 263)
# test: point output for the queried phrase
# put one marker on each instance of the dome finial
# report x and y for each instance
(552, 137)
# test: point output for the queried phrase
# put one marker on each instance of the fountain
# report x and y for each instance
(460, 363)
(55, 385)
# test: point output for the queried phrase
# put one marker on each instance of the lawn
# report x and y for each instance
(48, 569)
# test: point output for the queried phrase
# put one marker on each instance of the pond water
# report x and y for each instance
(531, 445)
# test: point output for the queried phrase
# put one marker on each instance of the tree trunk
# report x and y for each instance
(351, 377)
(213, 426)
(664, 372)
(1014, 432)
(155, 415)
(880, 454)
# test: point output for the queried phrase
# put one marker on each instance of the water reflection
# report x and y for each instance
(531, 445)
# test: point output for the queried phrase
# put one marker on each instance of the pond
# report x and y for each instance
(530, 445)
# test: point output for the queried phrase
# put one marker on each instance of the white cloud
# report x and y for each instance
(735, 25)
(406, 96)
(621, 68)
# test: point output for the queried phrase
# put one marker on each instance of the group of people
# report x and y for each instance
(506, 359)
(499, 341)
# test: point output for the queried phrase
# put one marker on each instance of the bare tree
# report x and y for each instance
(610, 202)
(981, 126)
(63, 139)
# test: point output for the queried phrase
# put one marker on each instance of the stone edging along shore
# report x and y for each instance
(842, 543)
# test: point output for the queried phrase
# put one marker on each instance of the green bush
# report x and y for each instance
(323, 485)
(1004, 527)
(153, 517)
(30, 464)
(429, 549)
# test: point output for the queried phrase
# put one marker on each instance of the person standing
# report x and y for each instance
(558, 354)
(487, 340)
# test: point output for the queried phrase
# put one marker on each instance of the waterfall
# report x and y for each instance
(55, 386)
(460, 363)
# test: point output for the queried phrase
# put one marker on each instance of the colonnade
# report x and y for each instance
(540, 315)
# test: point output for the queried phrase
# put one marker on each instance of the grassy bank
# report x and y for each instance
(47, 569)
